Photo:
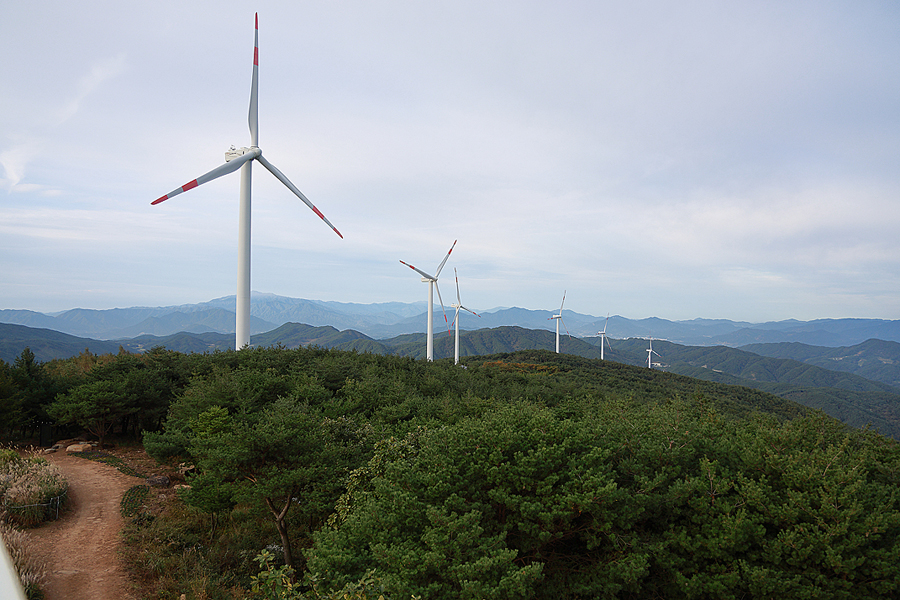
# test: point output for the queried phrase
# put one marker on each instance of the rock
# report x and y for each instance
(158, 481)
(50, 450)
(79, 448)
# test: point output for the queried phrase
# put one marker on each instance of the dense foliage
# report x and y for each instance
(522, 475)
(632, 501)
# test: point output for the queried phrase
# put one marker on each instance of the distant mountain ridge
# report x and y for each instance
(390, 319)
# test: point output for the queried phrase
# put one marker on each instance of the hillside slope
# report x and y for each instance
(852, 399)
(47, 344)
(877, 360)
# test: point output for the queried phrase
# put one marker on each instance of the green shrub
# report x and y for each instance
(278, 583)
(8, 456)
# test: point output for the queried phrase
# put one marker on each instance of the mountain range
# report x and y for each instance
(391, 319)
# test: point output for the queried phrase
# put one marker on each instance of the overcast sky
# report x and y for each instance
(672, 159)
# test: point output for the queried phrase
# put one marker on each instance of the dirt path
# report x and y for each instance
(80, 548)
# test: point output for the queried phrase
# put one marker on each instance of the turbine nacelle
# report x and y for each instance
(233, 153)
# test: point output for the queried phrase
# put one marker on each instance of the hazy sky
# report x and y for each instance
(672, 159)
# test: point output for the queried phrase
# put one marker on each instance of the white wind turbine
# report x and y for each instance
(650, 353)
(431, 280)
(558, 320)
(603, 337)
(458, 306)
(243, 158)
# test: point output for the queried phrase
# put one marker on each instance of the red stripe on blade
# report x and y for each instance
(160, 199)
(316, 210)
(189, 185)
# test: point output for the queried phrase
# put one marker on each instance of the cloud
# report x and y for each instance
(27, 147)
(101, 72)
(13, 161)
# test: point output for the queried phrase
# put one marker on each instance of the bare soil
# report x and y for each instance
(81, 548)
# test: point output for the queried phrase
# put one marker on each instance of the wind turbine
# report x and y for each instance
(650, 353)
(242, 159)
(458, 306)
(603, 337)
(559, 319)
(431, 280)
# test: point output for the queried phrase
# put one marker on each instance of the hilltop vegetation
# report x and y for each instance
(524, 475)
(845, 395)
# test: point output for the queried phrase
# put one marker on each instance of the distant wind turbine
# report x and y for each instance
(458, 306)
(432, 280)
(650, 353)
(558, 320)
(603, 337)
(243, 158)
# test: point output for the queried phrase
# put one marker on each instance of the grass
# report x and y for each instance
(109, 459)
(133, 500)
(32, 573)
(31, 489)
(173, 549)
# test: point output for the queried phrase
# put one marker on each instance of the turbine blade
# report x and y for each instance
(229, 167)
(283, 179)
(455, 274)
(456, 316)
(561, 303)
(607, 323)
(443, 262)
(471, 311)
(437, 287)
(419, 271)
(253, 117)
(564, 324)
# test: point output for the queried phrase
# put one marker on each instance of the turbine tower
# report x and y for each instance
(558, 320)
(242, 159)
(432, 280)
(458, 306)
(603, 337)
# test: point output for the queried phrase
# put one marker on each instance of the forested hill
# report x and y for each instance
(877, 360)
(47, 344)
(528, 474)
